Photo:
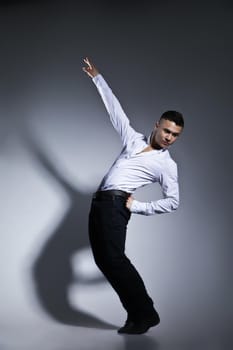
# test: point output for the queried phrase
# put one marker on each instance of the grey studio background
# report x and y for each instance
(56, 143)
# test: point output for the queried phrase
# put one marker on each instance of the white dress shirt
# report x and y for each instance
(133, 169)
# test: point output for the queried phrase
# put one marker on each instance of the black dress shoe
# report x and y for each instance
(128, 324)
(139, 327)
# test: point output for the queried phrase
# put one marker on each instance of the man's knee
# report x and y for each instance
(108, 261)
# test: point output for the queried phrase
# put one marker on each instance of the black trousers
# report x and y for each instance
(108, 221)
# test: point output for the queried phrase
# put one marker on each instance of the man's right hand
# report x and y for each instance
(90, 69)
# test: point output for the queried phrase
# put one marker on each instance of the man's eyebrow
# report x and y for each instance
(173, 133)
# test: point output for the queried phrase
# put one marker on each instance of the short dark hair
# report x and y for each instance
(173, 116)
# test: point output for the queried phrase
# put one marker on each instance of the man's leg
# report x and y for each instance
(107, 229)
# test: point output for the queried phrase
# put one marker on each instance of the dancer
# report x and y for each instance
(141, 162)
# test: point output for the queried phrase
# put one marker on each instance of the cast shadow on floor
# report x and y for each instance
(52, 271)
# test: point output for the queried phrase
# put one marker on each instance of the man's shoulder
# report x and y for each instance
(171, 163)
(137, 139)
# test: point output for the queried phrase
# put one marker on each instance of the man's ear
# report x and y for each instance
(157, 124)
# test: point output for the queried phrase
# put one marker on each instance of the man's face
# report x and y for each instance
(165, 134)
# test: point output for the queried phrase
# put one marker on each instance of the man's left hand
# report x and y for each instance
(129, 202)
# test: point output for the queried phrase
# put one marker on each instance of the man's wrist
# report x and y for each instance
(138, 207)
(95, 78)
(95, 75)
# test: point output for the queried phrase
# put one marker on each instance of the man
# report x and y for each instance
(140, 162)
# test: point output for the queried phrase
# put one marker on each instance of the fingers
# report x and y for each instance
(89, 66)
(86, 60)
(90, 69)
(129, 201)
(86, 70)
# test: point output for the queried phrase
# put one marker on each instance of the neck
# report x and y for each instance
(155, 146)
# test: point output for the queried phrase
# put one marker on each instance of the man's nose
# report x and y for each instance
(169, 137)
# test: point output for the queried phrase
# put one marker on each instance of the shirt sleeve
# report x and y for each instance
(170, 190)
(117, 116)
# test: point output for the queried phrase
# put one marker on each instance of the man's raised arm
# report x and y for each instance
(117, 116)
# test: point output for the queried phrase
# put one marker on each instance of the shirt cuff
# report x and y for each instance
(96, 78)
(138, 207)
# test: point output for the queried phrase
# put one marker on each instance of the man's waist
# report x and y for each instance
(111, 193)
